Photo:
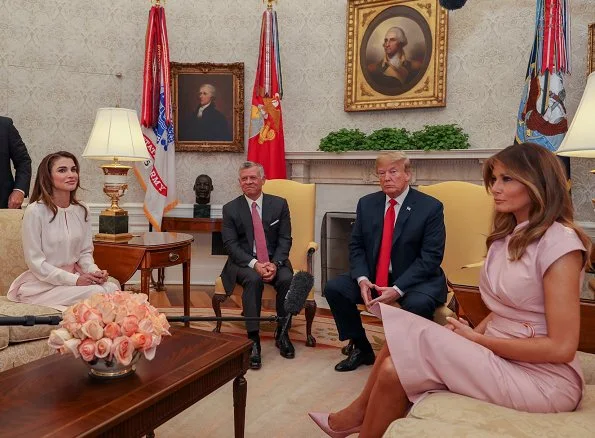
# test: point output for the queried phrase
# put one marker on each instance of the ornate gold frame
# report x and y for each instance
(429, 90)
(237, 70)
(591, 53)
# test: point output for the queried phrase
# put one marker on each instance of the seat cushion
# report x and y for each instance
(10, 334)
(457, 410)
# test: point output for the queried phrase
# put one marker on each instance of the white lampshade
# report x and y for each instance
(116, 135)
(580, 138)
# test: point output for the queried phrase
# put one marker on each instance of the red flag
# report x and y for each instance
(266, 144)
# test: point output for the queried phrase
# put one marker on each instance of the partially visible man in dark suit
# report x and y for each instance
(13, 190)
(256, 233)
(396, 248)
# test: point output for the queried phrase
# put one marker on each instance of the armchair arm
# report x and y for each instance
(312, 248)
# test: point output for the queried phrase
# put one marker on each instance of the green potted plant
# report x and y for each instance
(343, 140)
(388, 139)
(440, 137)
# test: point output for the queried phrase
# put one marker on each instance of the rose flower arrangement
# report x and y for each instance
(114, 327)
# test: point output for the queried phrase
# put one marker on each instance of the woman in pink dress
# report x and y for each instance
(523, 354)
(57, 240)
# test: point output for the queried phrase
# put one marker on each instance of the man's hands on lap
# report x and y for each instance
(267, 271)
(388, 295)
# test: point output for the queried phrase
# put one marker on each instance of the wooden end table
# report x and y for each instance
(55, 397)
(192, 224)
(146, 252)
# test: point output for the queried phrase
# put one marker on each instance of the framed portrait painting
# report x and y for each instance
(396, 54)
(208, 106)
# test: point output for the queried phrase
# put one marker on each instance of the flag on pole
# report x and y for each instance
(158, 175)
(542, 113)
(266, 144)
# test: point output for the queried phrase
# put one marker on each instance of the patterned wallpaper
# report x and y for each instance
(61, 60)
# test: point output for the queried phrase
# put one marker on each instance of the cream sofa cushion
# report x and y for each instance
(12, 260)
(465, 416)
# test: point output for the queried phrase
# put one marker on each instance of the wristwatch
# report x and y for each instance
(279, 263)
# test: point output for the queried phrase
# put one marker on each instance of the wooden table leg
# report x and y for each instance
(145, 281)
(240, 390)
(186, 287)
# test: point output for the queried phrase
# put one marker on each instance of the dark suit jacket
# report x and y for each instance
(12, 149)
(418, 243)
(238, 234)
(212, 126)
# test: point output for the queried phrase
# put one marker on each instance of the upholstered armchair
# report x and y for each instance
(468, 214)
(301, 199)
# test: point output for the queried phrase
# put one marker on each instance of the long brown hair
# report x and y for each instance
(44, 188)
(544, 177)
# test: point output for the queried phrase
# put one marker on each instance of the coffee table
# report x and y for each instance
(55, 397)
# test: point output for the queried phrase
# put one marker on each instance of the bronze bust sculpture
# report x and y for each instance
(203, 186)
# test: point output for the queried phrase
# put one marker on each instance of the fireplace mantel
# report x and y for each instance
(357, 167)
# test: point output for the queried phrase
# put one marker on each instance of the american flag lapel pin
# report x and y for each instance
(408, 208)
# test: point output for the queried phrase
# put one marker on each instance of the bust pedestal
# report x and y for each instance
(202, 210)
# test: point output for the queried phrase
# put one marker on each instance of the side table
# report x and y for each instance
(146, 252)
(192, 224)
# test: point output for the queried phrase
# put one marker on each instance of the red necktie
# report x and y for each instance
(261, 243)
(386, 245)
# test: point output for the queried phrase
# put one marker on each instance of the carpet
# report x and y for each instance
(323, 328)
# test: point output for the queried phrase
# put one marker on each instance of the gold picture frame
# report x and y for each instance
(591, 49)
(412, 77)
(216, 125)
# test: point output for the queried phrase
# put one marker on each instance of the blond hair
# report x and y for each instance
(394, 157)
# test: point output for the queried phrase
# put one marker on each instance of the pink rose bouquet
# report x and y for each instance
(113, 327)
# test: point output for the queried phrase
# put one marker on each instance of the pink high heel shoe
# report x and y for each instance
(321, 419)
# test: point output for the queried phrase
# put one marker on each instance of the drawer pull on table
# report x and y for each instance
(173, 257)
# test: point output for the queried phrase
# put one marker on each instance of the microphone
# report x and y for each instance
(295, 300)
(452, 4)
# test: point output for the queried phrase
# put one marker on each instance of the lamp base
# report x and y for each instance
(113, 228)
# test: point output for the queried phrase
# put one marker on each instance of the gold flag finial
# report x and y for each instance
(269, 3)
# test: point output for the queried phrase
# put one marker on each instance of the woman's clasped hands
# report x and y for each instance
(91, 278)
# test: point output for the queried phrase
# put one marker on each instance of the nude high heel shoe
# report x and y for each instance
(321, 419)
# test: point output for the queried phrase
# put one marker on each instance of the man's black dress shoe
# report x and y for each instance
(346, 350)
(283, 343)
(255, 361)
(355, 359)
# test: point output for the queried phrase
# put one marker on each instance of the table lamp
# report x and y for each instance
(580, 138)
(116, 136)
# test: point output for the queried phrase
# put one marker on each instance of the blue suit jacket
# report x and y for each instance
(418, 243)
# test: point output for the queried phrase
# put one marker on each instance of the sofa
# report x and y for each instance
(446, 414)
(18, 344)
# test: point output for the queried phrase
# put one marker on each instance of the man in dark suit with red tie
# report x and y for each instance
(256, 233)
(395, 252)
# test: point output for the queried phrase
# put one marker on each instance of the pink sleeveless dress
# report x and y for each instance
(430, 358)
